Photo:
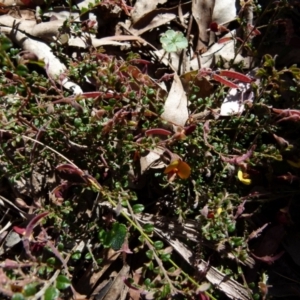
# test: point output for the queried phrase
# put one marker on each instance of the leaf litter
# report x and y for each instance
(190, 40)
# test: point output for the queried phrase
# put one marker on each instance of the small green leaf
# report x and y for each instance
(165, 257)
(147, 282)
(84, 10)
(269, 61)
(141, 239)
(118, 235)
(17, 296)
(49, 270)
(51, 261)
(99, 261)
(76, 255)
(104, 238)
(166, 291)
(51, 293)
(22, 70)
(39, 63)
(138, 208)
(150, 266)
(173, 40)
(62, 282)
(42, 270)
(149, 254)
(5, 43)
(158, 245)
(148, 228)
(295, 71)
(30, 289)
(170, 47)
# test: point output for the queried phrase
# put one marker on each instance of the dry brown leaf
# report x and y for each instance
(89, 280)
(207, 11)
(224, 11)
(53, 66)
(157, 21)
(175, 108)
(21, 3)
(142, 7)
(202, 11)
(152, 160)
(24, 14)
(116, 290)
(216, 52)
(137, 277)
(157, 17)
(205, 87)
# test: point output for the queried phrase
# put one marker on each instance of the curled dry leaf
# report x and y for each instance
(175, 108)
(28, 231)
(68, 168)
(142, 7)
(152, 160)
(157, 131)
(224, 11)
(160, 16)
(206, 12)
(224, 52)
(202, 12)
(236, 75)
(33, 222)
(54, 68)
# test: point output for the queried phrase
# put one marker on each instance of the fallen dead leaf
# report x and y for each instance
(175, 108)
(142, 7)
(152, 160)
(202, 12)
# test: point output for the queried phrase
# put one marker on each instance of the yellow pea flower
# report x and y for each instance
(243, 178)
(179, 167)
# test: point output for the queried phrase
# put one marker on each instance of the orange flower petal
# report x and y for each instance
(184, 170)
(172, 166)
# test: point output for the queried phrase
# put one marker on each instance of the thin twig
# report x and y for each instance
(42, 291)
(158, 260)
(51, 149)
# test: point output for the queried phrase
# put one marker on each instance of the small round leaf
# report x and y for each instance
(17, 296)
(30, 289)
(22, 70)
(118, 235)
(51, 293)
(158, 245)
(173, 40)
(148, 228)
(62, 282)
(149, 254)
(5, 43)
(138, 208)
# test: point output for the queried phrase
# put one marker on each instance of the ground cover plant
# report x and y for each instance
(149, 150)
